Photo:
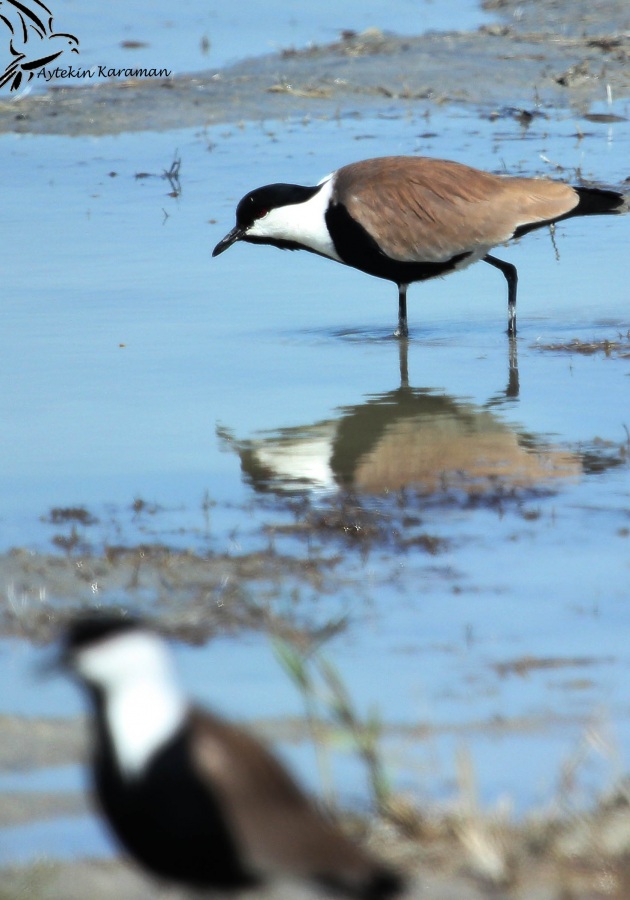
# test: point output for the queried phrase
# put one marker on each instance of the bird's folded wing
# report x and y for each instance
(277, 827)
(420, 209)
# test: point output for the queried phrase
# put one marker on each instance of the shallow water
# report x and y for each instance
(134, 365)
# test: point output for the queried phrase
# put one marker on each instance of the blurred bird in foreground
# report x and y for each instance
(193, 798)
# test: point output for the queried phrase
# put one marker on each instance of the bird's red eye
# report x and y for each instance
(263, 212)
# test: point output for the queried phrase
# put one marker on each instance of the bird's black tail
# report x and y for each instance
(378, 883)
(592, 202)
(383, 885)
(597, 202)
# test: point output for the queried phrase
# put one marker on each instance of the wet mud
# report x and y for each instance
(551, 55)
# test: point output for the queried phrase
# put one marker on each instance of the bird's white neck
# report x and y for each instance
(303, 223)
(143, 704)
(142, 718)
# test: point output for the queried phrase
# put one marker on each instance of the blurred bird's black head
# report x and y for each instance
(92, 627)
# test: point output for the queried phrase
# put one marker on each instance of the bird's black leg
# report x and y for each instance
(403, 362)
(402, 331)
(511, 276)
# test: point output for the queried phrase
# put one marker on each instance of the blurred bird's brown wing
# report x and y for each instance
(278, 827)
(420, 209)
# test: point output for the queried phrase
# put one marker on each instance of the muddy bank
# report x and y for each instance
(463, 855)
(453, 851)
(563, 55)
(300, 546)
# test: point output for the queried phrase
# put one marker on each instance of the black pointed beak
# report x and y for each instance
(235, 234)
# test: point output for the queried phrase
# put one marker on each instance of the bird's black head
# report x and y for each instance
(90, 628)
(257, 204)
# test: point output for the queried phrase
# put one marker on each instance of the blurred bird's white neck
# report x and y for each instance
(142, 717)
(143, 704)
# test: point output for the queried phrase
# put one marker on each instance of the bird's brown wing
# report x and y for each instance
(278, 827)
(420, 209)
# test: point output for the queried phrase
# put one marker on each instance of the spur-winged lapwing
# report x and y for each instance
(193, 798)
(409, 218)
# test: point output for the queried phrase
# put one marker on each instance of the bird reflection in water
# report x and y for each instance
(408, 437)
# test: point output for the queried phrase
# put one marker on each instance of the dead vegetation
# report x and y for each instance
(610, 348)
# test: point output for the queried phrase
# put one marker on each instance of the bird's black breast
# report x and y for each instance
(357, 248)
(169, 820)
